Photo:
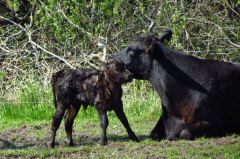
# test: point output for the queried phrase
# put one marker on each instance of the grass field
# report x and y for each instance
(25, 131)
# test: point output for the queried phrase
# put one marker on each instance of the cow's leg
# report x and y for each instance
(121, 116)
(202, 128)
(158, 131)
(104, 124)
(69, 117)
(186, 134)
(56, 121)
(194, 130)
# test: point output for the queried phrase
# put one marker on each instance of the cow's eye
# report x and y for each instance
(131, 53)
(134, 51)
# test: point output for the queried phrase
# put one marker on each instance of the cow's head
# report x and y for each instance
(138, 57)
(116, 71)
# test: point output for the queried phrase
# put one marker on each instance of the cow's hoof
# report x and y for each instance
(186, 134)
(172, 137)
(155, 136)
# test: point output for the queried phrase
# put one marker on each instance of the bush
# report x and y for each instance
(41, 37)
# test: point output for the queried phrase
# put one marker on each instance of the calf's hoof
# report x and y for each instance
(70, 143)
(134, 138)
(52, 145)
(103, 142)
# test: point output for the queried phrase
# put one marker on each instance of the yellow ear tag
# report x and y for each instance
(165, 41)
(147, 50)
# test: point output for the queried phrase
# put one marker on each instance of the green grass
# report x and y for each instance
(27, 105)
(25, 130)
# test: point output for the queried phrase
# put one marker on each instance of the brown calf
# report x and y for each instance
(100, 88)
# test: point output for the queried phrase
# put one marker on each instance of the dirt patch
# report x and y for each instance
(23, 137)
(86, 138)
(31, 137)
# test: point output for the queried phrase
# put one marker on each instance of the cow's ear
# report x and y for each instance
(165, 37)
(150, 49)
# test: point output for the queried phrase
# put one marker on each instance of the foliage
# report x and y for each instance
(81, 31)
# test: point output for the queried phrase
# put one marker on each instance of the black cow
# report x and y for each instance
(200, 97)
(100, 88)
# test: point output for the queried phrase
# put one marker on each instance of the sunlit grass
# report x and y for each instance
(33, 103)
(25, 130)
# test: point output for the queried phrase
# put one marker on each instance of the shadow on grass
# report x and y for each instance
(79, 141)
(8, 145)
(90, 141)
(125, 138)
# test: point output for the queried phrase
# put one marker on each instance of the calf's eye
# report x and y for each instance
(120, 69)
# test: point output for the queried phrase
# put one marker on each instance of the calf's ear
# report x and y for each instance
(107, 63)
(165, 37)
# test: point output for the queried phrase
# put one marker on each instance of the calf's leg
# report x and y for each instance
(121, 116)
(69, 117)
(56, 121)
(104, 125)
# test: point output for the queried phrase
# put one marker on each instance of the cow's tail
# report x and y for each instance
(53, 82)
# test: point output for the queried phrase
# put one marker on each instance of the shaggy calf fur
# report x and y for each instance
(100, 88)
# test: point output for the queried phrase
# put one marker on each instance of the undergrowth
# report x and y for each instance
(33, 102)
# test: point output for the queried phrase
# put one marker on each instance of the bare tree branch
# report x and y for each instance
(219, 28)
(29, 34)
(70, 22)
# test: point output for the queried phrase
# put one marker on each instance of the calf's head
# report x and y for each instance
(117, 72)
(138, 57)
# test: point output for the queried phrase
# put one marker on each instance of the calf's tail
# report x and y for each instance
(53, 82)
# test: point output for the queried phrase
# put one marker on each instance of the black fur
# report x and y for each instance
(199, 97)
